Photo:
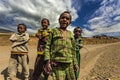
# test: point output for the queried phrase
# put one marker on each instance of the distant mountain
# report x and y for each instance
(5, 31)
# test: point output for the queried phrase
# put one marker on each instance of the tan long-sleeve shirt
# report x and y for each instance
(19, 43)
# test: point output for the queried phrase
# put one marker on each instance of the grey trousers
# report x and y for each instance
(16, 59)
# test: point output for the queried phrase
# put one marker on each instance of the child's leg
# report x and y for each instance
(46, 77)
(71, 73)
(78, 59)
(12, 68)
(38, 68)
(25, 66)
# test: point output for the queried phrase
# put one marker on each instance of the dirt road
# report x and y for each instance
(102, 62)
(98, 62)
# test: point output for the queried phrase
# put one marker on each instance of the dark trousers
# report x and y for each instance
(38, 68)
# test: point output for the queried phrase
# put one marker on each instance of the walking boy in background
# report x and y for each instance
(19, 53)
(78, 45)
(60, 51)
(42, 34)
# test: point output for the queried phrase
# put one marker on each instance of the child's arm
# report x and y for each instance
(13, 37)
(80, 43)
(20, 39)
(38, 34)
(24, 37)
(42, 35)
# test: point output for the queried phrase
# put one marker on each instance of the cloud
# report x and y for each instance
(31, 12)
(117, 18)
(77, 4)
(3, 7)
(87, 33)
(106, 19)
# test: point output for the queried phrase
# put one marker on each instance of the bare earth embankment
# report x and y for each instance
(98, 61)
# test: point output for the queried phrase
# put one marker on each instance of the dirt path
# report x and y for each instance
(101, 63)
(98, 62)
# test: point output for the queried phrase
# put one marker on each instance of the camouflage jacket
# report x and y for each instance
(78, 43)
(60, 47)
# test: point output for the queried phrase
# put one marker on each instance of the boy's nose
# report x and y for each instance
(64, 19)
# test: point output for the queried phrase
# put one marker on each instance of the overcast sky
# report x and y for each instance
(95, 17)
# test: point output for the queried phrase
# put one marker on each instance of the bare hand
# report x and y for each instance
(76, 67)
(47, 68)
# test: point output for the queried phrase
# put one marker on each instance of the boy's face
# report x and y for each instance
(78, 32)
(45, 24)
(21, 29)
(64, 20)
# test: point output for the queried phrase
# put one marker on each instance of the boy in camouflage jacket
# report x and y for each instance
(60, 51)
(78, 45)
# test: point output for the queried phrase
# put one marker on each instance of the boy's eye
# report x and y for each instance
(78, 31)
(68, 18)
(64, 17)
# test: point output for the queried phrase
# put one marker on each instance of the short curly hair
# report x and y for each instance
(23, 25)
(66, 12)
(45, 19)
(77, 28)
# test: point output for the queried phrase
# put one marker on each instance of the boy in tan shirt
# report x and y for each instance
(19, 53)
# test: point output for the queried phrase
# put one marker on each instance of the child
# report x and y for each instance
(60, 52)
(79, 45)
(19, 53)
(42, 34)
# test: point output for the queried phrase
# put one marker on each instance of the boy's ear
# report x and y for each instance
(48, 23)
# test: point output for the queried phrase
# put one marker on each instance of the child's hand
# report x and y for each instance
(80, 46)
(76, 68)
(38, 35)
(47, 68)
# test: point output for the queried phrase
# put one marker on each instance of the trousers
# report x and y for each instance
(63, 71)
(16, 59)
(38, 68)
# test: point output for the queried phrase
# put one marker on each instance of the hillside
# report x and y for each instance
(4, 38)
(5, 31)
